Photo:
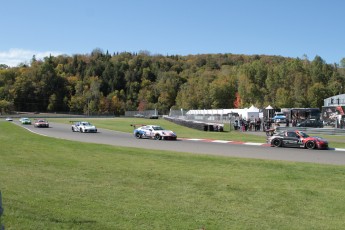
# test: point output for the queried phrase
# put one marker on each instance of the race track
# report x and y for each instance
(109, 137)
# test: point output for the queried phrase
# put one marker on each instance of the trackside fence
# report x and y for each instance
(199, 125)
(206, 118)
(205, 122)
(321, 131)
(145, 113)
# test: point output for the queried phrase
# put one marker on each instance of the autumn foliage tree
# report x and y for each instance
(104, 83)
(237, 102)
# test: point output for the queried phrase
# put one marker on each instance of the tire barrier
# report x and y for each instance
(211, 127)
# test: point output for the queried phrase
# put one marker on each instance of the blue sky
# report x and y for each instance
(293, 28)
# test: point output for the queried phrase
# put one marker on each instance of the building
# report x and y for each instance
(333, 111)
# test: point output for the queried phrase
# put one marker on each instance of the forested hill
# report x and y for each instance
(106, 83)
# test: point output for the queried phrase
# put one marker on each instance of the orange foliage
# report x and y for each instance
(142, 106)
(237, 101)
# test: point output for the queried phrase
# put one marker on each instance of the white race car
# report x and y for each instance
(154, 131)
(25, 121)
(83, 127)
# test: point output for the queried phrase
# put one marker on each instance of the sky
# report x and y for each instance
(294, 28)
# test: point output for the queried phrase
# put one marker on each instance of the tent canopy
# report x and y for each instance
(253, 109)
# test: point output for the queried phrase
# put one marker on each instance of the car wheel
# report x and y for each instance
(137, 135)
(276, 142)
(73, 129)
(157, 137)
(81, 130)
(310, 145)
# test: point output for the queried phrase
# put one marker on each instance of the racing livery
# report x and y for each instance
(296, 139)
(83, 127)
(153, 131)
(41, 123)
(25, 121)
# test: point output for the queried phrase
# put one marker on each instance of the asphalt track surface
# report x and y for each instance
(115, 138)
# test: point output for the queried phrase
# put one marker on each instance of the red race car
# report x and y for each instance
(296, 139)
(41, 123)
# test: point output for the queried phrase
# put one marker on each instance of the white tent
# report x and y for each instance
(252, 113)
(270, 110)
(247, 113)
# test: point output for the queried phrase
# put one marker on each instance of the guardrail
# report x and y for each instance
(323, 131)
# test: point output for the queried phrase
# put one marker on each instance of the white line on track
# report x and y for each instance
(221, 141)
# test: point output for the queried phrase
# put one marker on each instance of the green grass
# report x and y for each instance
(50, 183)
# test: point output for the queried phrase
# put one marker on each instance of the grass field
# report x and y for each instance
(50, 183)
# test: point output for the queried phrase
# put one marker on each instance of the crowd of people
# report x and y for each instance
(248, 125)
(258, 125)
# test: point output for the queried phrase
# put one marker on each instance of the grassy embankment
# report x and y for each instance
(50, 183)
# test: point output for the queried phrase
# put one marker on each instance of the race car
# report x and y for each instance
(41, 123)
(83, 127)
(153, 131)
(296, 139)
(25, 121)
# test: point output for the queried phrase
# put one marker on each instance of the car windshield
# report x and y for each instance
(157, 128)
(86, 123)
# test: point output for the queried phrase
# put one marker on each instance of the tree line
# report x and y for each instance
(103, 83)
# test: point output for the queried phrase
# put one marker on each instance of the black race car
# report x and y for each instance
(296, 139)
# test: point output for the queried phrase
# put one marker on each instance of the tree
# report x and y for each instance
(316, 94)
(6, 107)
(223, 91)
(167, 86)
(251, 83)
(237, 102)
(103, 83)
(342, 62)
(23, 91)
(283, 99)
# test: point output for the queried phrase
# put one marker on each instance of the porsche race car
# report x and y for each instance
(153, 131)
(83, 127)
(25, 121)
(296, 139)
(41, 123)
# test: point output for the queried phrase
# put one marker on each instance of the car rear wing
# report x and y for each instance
(270, 132)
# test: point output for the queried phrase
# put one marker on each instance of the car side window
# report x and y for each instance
(291, 134)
